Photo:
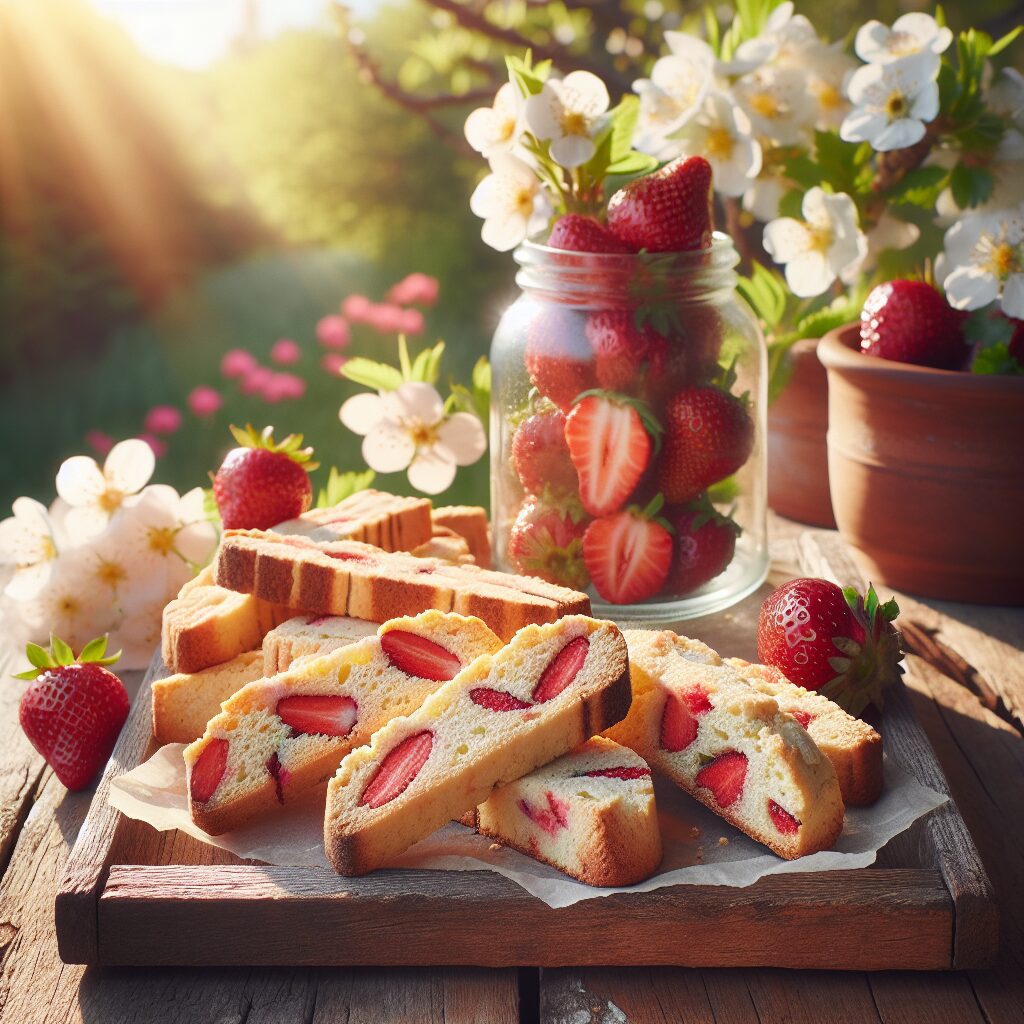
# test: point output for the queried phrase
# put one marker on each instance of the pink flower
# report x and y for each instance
(237, 363)
(386, 319)
(285, 352)
(333, 332)
(357, 308)
(415, 290)
(159, 447)
(99, 442)
(163, 419)
(332, 362)
(282, 386)
(411, 322)
(255, 380)
(204, 401)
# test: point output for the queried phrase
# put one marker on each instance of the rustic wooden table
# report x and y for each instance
(966, 681)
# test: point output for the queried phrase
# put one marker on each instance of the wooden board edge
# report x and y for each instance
(76, 918)
(975, 940)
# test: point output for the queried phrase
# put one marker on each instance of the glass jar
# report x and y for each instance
(666, 337)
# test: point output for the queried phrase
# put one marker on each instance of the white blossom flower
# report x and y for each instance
(892, 103)
(28, 546)
(829, 70)
(983, 260)
(764, 195)
(763, 48)
(827, 244)
(778, 103)
(408, 428)
(911, 34)
(890, 233)
(721, 132)
(673, 94)
(94, 494)
(497, 129)
(511, 202)
(137, 633)
(569, 112)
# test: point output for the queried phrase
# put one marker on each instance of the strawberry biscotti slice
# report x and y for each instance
(278, 736)
(306, 635)
(550, 689)
(590, 814)
(728, 745)
(853, 747)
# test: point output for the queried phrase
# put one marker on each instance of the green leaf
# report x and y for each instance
(852, 597)
(1001, 44)
(433, 369)
(791, 204)
(765, 293)
(919, 187)
(801, 169)
(623, 120)
(890, 610)
(971, 186)
(996, 360)
(343, 485)
(30, 674)
(871, 603)
(633, 163)
(38, 656)
(725, 492)
(987, 327)
(372, 374)
(62, 652)
(530, 80)
(403, 358)
(94, 650)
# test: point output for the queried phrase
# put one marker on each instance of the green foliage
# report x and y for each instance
(997, 360)
(343, 485)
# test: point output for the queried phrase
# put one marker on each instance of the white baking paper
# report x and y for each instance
(700, 848)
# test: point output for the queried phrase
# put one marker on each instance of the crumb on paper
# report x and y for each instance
(723, 841)
(494, 846)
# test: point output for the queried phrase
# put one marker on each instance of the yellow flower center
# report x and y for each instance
(422, 435)
(820, 237)
(573, 123)
(523, 202)
(719, 144)
(111, 573)
(161, 540)
(896, 106)
(110, 500)
(47, 549)
(1002, 259)
(829, 97)
(508, 128)
(68, 605)
(766, 104)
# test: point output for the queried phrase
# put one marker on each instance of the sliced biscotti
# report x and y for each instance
(208, 625)
(447, 545)
(729, 745)
(348, 578)
(469, 521)
(280, 736)
(183, 703)
(386, 521)
(306, 635)
(590, 814)
(550, 689)
(853, 746)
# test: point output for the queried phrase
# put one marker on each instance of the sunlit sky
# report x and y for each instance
(194, 33)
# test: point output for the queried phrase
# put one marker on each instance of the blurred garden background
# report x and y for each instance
(180, 179)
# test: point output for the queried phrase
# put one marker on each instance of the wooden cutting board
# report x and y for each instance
(134, 896)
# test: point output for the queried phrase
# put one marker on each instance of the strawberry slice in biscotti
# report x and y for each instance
(278, 737)
(549, 690)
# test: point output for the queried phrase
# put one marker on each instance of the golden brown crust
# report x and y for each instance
(859, 772)
(469, 522)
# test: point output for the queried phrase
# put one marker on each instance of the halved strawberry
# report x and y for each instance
(577, 233)
(562, 669)
(609, 438)
(419, 656)
(803, 717)
(398, 769)
(496, 700)
(628, 554)
(725, 776)
(678, 725)
(208, 771)
(696, 698)
(324, 714)
(635, 772)
(551, 818)
(782, 819)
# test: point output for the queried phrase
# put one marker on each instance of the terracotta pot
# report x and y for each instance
(927, 473)
(797, 453)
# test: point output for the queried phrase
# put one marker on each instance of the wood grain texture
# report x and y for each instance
(950, 845)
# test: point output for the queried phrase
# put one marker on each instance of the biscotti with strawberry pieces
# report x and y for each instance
(184, 702)
(306, 635)
(550, 689)
(853, 746)
(471, 522)
(728, 745)
(590, 814)
(281, 736)
(349, 578)
(208, 625)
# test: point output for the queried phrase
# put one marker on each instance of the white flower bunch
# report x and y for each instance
(105, 557)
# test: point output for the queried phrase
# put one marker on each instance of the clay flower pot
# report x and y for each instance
(927, 473)
(797, 453)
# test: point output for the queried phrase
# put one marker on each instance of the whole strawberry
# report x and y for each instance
(708, 435)
(832, 640)
(669, 210)
(263, 482)
(557, 356)
(704, 543)
(910, 322)
(73, 709)
(540, 455)
(548, 542)
(625, 354)
(584, 234)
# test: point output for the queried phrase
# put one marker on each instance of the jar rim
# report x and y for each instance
(722, 253)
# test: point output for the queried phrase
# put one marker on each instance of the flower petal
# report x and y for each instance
(785, 239)
(418, 401)
(502, 234)
(461, 438)
(572, 150)
(809, 274)
(966, 288)
(388, 448)
(431, 472)
(196, 542)
(1013, 296)
(361, 413)
(80, 481)
(129, 465)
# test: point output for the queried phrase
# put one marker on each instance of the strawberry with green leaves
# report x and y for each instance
(628, 554)
(833, 640)
(705, 542)
(611, 442)
(262, 482)
(73, 709)
(540, 455)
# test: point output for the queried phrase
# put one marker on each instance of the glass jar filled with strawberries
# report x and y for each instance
(629, 394)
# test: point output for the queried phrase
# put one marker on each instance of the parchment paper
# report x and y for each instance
(700, 848)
